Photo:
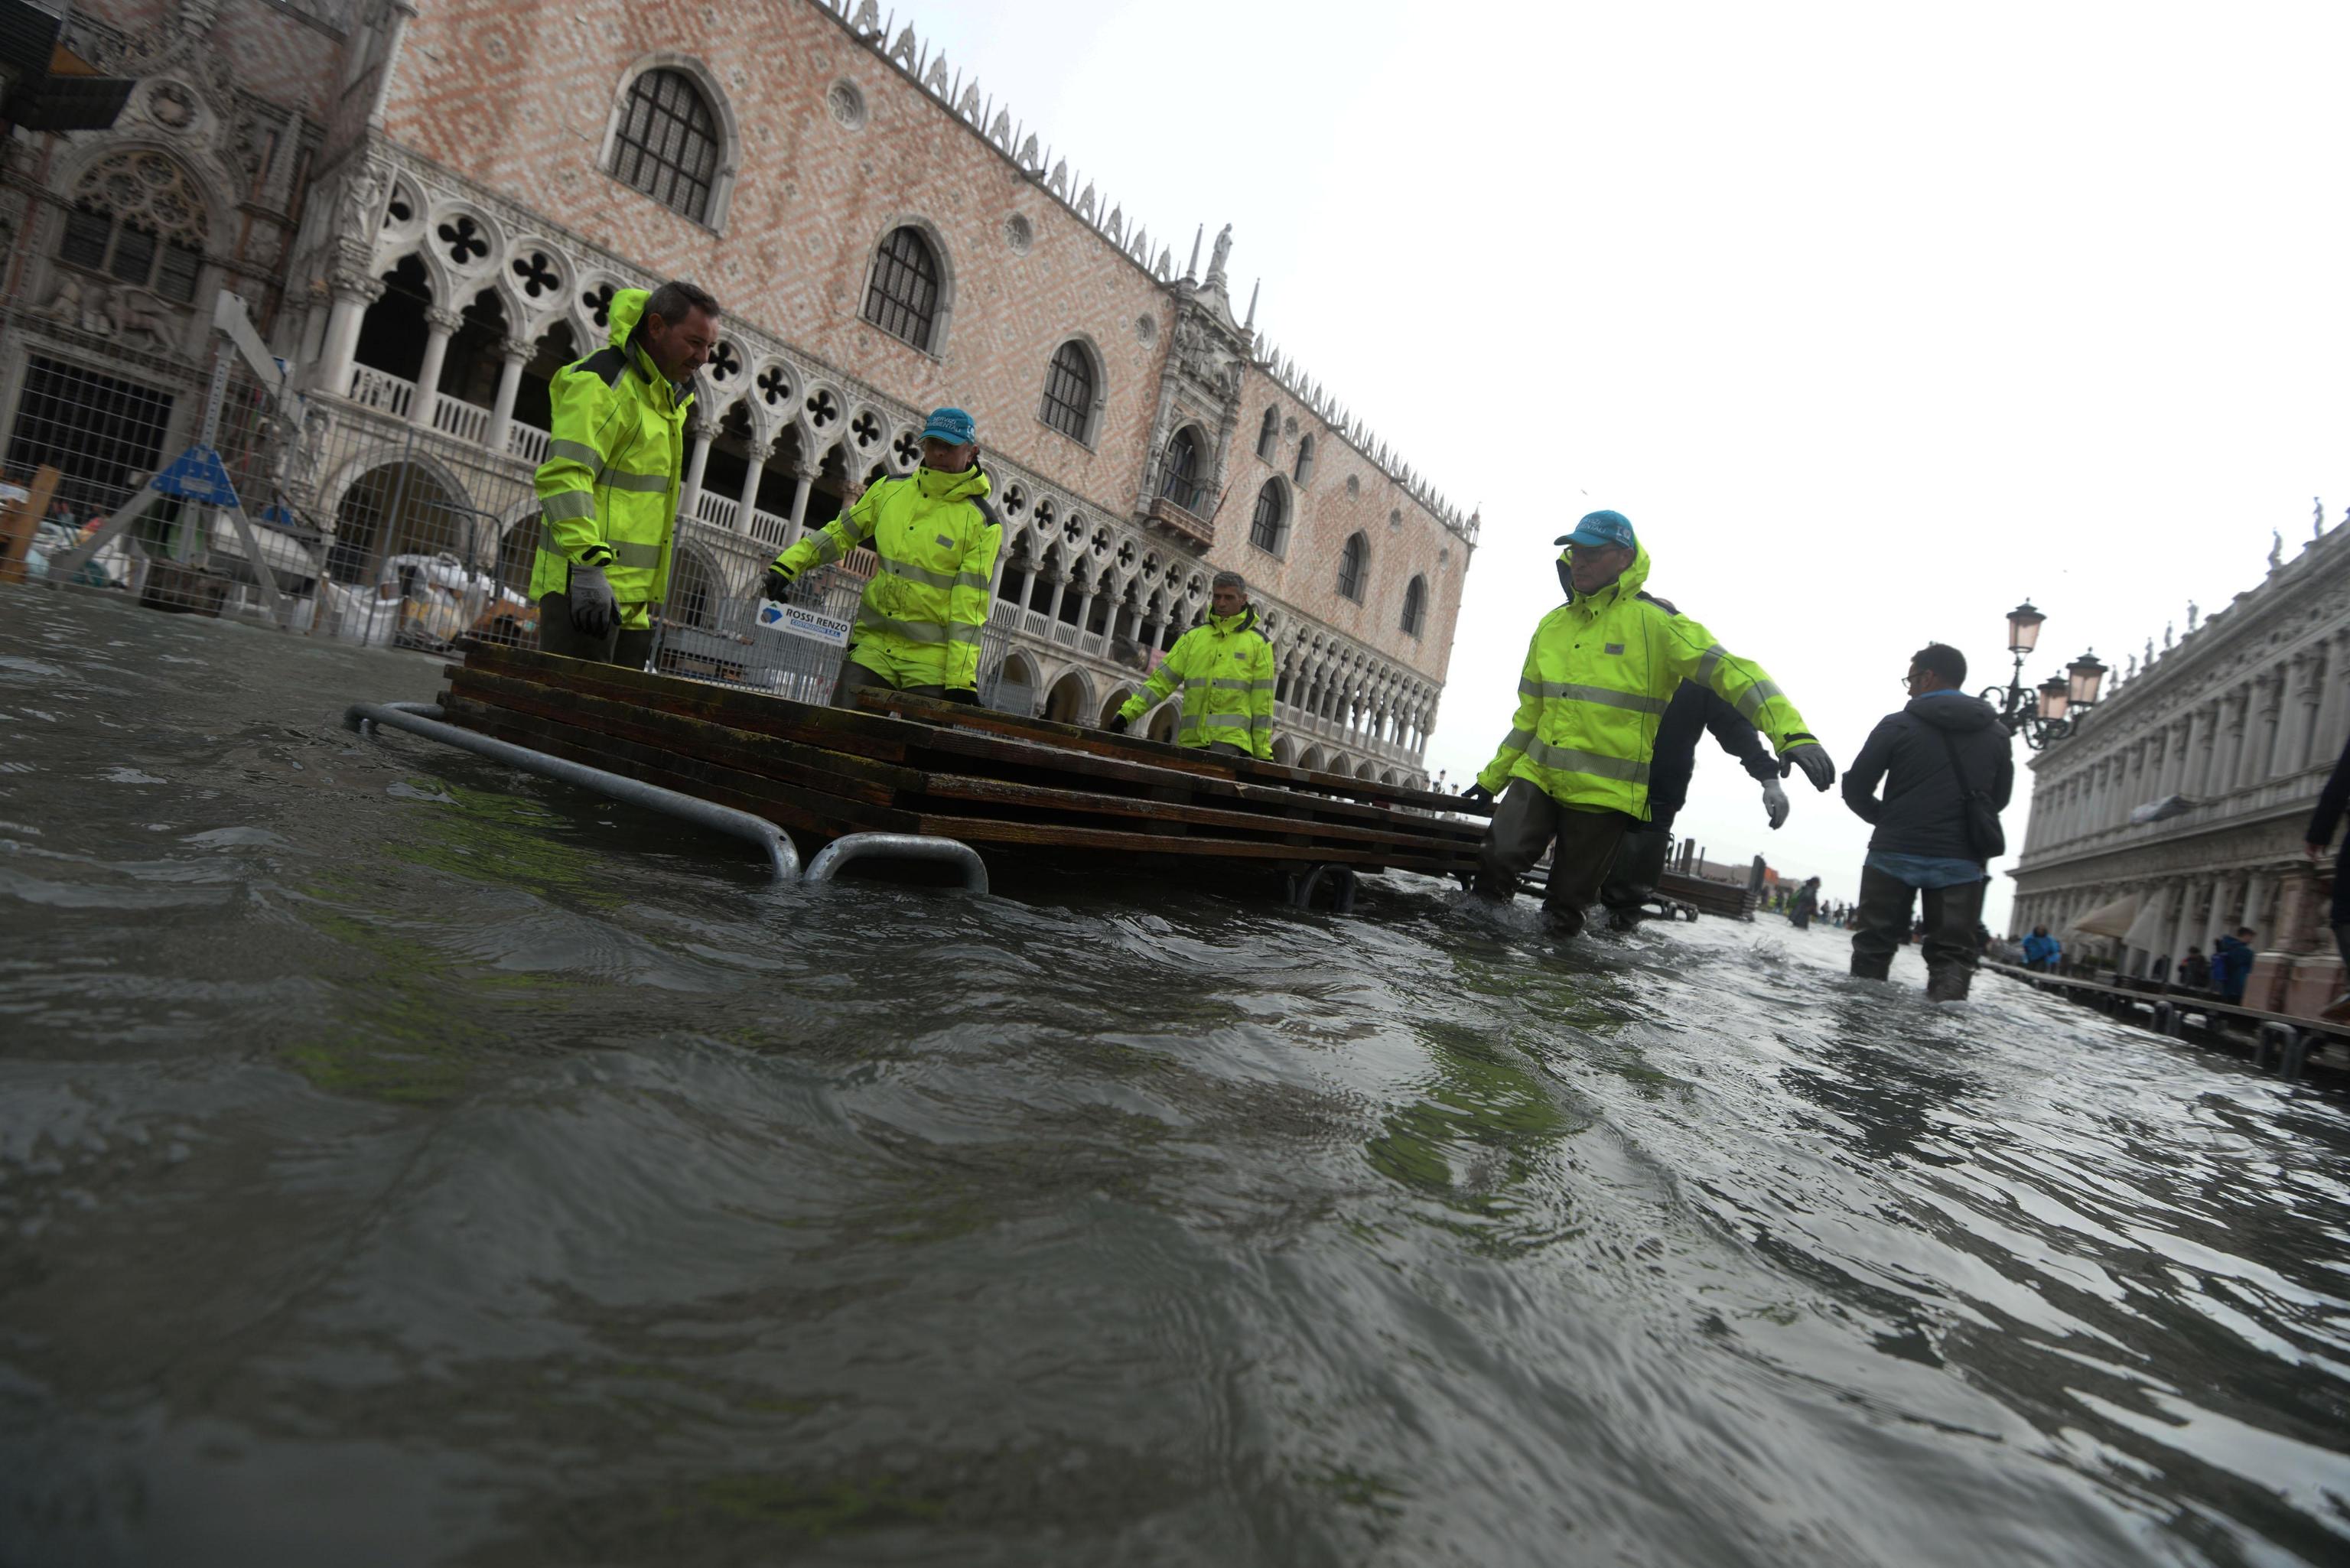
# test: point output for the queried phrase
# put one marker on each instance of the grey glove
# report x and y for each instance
(594, 611)
(1808, 754)
(1774, 800)
(1477, 793)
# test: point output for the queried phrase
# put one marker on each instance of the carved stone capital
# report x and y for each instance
(444, 321)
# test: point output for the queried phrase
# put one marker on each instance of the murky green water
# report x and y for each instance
(403, 1161)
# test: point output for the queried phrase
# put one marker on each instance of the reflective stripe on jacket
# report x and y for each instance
(1598, 676)
(1225, 665)
(936, 538)
(607, 492)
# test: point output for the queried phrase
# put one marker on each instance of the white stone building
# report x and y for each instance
(2242, 720)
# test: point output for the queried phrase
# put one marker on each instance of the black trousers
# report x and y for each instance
(1882, 913)
(557, 635)
(1525, 820)
(855, 678)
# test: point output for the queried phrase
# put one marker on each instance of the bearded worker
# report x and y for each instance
(1598, 676)
(919, 625)
(607, 492)
(1225, 665)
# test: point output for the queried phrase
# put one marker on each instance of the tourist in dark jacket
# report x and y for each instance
(2331, 806)
(1922, 844)
(2195, 970)
(2231, 963)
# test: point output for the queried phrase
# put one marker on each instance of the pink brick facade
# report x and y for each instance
(493, 122)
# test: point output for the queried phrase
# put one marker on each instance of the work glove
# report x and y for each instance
(1477, 792)
(779, 582)
(1805, 753)
(1774, 800)
(594, 611)
(962, 694)
(1117, 725)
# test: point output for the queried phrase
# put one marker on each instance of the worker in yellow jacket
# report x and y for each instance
(1225, 664)
(1598, 676)
(607, 492)
(937, 535)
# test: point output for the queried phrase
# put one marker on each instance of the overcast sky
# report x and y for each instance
(1873, 318)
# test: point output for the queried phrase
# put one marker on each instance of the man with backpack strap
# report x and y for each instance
(1947, 767)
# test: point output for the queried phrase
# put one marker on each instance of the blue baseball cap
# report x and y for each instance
(953, 426)
(1600, 530)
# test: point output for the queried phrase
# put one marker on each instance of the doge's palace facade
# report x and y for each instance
(428, 207)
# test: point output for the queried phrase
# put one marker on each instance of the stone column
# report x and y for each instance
(2174, 763)
(750, 497)
(438, 326)
(2334, 706)
(352, 295)
(2301, 699)
(2257, 888)
(2260, 731)
(802, 482)
(1052, 609)
(2226, 897)
(515, 354)
(690, 496)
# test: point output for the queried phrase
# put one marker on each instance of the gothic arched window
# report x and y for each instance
(1269, 529)
(1415, 605)
(904, 297)
(1354, 566)
(1268, 434)
(667, 143)
(136, 219)
(1179, 479)
(1305, 460)
(1069, 390)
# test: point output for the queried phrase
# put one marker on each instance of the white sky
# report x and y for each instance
(1873, 318)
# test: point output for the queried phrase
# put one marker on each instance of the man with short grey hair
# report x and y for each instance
(1225, 665)
(608, 492)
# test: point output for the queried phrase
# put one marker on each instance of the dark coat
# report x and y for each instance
(2331, 806)
(1923, 811)
(1693, 710)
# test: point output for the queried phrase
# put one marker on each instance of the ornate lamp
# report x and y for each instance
(2048, 712)
(2023, 628)
(2087, 675)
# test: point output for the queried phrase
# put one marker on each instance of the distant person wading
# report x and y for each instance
(1947, 770)
(607, 492)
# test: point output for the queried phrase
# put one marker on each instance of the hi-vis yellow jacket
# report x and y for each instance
(938, 536)
(607, 491)
(1226, 667)
(1598, 676)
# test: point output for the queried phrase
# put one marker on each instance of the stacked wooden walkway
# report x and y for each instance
(909, 764)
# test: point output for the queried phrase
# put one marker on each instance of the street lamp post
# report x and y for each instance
(2048, 712)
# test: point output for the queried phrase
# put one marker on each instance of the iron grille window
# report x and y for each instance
(1181, 484)
(668, 144)
(903, 298)
(104, 436)
(1069, 390)
(1267, 528)
(1415, 605)
(1351, 566)
(97, 242)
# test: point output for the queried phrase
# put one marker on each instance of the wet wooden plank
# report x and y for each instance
(810, 768)
(806, 811)
(994, 792)
(934, 747)
(1189, 759)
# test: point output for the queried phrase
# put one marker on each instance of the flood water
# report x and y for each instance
(404, 1161)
